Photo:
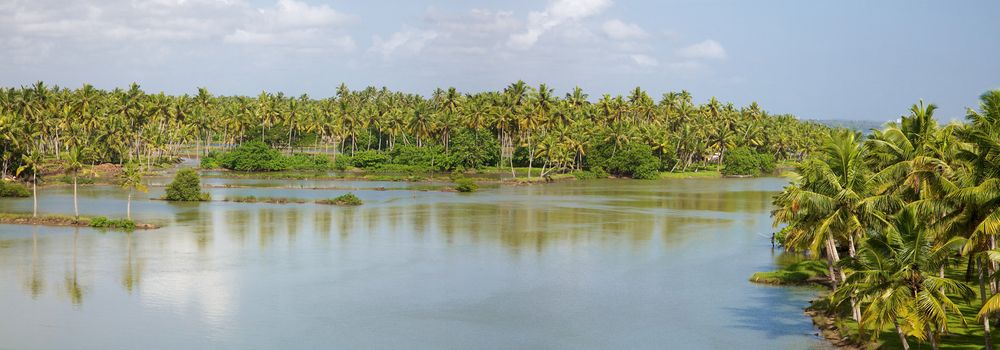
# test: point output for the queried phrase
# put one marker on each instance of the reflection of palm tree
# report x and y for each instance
(131, 274)
(73, 287)
(35, 283)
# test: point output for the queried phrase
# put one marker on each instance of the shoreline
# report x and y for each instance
(64, 221)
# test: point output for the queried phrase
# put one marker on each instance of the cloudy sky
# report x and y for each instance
(832, 60)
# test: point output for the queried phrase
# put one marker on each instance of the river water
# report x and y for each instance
(606, 264)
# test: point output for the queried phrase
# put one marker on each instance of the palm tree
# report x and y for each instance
(30, 162)
(893, 274)
(74, 163)
(132, 180)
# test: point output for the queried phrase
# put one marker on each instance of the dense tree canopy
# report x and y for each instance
(903, 206)
(519, 125)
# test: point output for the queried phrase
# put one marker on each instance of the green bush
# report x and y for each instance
(427, 157)
(80, 180)
(13, 189)
(466, 185)
(185, 187)
(254, 156)
(471, 149)
(632, 160)
(345, 199)
(342, 162)
(584, 175)
(745, 161)
(369, 159)
(308, 162)
(103, 222)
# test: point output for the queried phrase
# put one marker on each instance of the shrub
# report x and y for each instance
(254, 156)
(342, 162)
(346, 199)
(369, 159)
(103, 222)
(583, 175)
(472, 149)
(633, 160)
(427, 157)
(185, 187)
(81, 180)
(466, 185)
(745, 161)
(13, 189)
(211, 161)
(308, 162)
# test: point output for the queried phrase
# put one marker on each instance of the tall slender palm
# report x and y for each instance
(131, 180)
(74, 163)
(30, 162)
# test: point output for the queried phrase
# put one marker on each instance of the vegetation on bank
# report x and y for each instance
(271, 200)
(466, 185)
(805, 271)
(13, 189)
(906, 221)
(518, 126)
(186, 187)
(745, 161)
(64, 220)
(348, 199)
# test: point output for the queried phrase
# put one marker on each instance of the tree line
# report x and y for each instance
(907, 220)
(533, 126)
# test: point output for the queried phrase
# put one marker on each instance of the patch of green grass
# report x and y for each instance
(103, 222)
(797, 273)
(348, 199)
(66, 220)
(466, 185)
(704, 174)
(271, 200)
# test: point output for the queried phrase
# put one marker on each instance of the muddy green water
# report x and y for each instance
(576, 265)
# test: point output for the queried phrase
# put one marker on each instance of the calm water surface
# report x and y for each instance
(576, 265)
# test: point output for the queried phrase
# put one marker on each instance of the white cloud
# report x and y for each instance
(406, 41)
(53, 28)
(616, 29)
(708, 49)
(295, 14)
(644, 60)
(556, 13)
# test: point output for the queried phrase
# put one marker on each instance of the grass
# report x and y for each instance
(272, 200)
(348, 199)
(798, 273)
(65, 220)
(703, 174)
(959, 337)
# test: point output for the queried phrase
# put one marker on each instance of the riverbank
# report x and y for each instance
(833, 324)
(83, 221)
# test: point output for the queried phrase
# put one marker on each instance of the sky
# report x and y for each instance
(851, 60)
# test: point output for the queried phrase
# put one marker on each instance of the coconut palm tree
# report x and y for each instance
(74, 163)
(893, 275)
(131, 180)
(30, 162)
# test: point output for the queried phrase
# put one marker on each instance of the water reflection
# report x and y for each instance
(73, 288)
(574, 265)
(35, 283)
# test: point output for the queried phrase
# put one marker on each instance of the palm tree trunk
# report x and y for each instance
(34, 194)
(76, 208)
(993, 266)
(128, 207)
(988, 340)
(902, 336)
(931, 336)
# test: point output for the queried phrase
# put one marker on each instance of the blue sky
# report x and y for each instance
(824, 60)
